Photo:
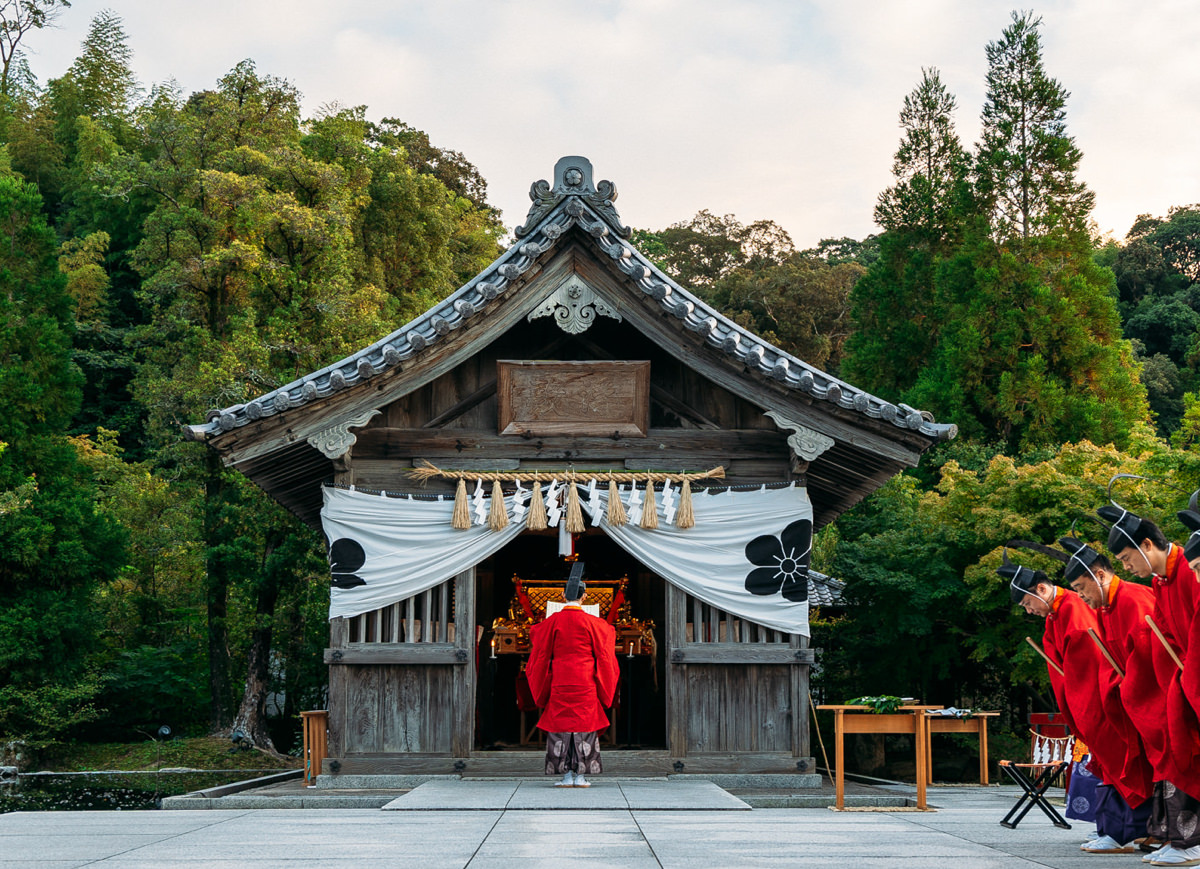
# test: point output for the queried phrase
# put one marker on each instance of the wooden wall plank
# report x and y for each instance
(362, 709)
(741, 653)
(702, 709)
(393, 653)
(745, 444)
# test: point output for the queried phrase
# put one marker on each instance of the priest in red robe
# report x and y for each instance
(1190, 678)
(573, 674)
(1124, 798)
(1153, 682)
(1066, 642)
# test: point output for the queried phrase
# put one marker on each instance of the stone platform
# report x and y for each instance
(964, 832)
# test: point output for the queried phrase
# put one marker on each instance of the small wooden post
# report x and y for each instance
(921, 736)
(839, 757)
(315, 729)
(983, 752)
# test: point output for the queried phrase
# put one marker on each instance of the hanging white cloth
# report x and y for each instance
(748, 553)
(383, 550)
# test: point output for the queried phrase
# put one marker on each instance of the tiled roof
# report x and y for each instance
(824, 590)
(572, 202)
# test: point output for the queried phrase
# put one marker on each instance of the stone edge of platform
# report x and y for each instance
(279, 802)
(809, 781)
(822, 801)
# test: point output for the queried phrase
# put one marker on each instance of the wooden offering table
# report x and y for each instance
(975, 723)
(860, 719)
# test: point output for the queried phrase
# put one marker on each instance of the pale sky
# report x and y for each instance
(765, 109)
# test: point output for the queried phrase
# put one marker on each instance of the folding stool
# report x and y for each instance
(1050, 756)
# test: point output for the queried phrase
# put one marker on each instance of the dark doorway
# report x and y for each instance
(640, 713)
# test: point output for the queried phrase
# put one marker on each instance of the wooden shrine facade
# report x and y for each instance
(572, 351)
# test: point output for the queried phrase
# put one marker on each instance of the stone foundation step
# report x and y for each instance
(541, 794)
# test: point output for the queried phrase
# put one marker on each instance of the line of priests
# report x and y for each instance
(1128, 691)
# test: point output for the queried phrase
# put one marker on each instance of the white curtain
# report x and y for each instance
(710, 561)
(748, 553)
(407, 546)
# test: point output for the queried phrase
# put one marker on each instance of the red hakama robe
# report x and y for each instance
(573, 671)
(1152, 691)
(1120, 751)
(1066, 642)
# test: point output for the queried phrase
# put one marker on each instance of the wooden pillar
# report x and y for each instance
(463, 704)
(337, 691)
(677, 731)
(801, 732)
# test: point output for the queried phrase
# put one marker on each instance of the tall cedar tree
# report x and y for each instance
(894, 308)
(94, 106)
(1026, 161)
(1027, 347)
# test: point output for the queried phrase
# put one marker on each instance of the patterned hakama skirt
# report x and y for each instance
(573, 752)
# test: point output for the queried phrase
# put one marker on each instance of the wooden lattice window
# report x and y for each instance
(426, 617)
(718, 626)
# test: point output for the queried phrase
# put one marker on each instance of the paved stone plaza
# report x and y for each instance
(964, 833)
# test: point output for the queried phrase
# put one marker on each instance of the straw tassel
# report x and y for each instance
(462, 516)
(650, 510)
(685, 518)
(616, 510)
(574, 512)
(537, 509)
(498, 516)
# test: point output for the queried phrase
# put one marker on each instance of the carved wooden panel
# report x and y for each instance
(574, 398)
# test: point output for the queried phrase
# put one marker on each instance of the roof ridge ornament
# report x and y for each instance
(573, 177)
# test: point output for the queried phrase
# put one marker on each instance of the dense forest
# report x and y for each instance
(166, 253)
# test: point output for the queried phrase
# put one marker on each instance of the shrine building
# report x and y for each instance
(570, 403)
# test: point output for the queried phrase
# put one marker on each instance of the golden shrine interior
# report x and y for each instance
(510, 633)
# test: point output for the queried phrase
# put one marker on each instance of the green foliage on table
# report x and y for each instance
(880, 704)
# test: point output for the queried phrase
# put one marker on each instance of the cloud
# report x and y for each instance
(764, 108)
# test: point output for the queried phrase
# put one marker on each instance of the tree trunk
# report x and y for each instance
(217, 596)
(251, 718)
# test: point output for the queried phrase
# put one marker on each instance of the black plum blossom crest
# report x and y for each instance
(345, 557)
(782, 562)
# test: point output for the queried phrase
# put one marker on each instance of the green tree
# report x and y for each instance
(701, 251)
(896, 313)
(753, 274)
(801, 305)
(153, 610)
(1027, 357)
(990, 309)
(270, 247)
(930, 167)
(54, 546)
(1026, 162)
(928, 615)
(103, 72)
(1177, 237)
(1159, 301)
(17, 19)
(245, 266)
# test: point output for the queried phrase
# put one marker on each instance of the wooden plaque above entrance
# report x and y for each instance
(574, 398)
